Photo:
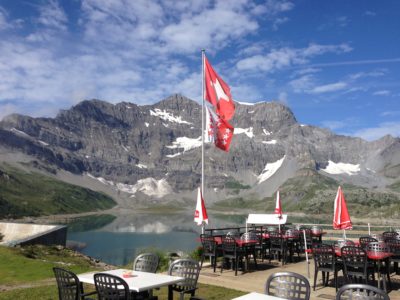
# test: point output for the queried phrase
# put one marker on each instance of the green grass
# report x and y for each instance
(32, 263)
(204, 291)
(33, 194)
(32, 267)
(395, 186)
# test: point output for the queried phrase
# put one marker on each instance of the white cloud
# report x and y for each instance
(303, 83)
(370, 13)
(212, 27)
(332, 87)
(52, 15)
(272, 7)
(285, 57)
(333, 125)
(382, 93)
(6, 109)
(3, 19)
(390, 113)
(374, 133)
(376, 73)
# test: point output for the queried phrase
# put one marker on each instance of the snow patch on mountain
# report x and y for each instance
(185, 143)
(15, 130)
(270, 169)
(271, 142)
(148, 186)
(166, 116)
(266, 132)
(341, 168)
(246, 131)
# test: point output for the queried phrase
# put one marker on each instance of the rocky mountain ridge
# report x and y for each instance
(152, 153)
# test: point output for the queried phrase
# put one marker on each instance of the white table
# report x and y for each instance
(257, 296)
(139, 282)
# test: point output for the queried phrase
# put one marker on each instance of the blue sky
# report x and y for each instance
(336, 64)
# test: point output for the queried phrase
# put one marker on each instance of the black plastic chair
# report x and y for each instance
(69, 286)
(249, 248)
(146, 262)
(188, 269)
(355, 265)
(277, 246)
(288, 285)
(110, 287)
(390, 235)
(377, 248)
(210, 249)
(231, 252)
(292, 237)
(361, 292)
(325, 262)
(365, 240)
(394, 245)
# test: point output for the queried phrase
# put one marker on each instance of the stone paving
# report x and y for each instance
(254, 280)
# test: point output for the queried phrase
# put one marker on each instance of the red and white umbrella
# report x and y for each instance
(341, 217)
(200, 214)
(278, 206)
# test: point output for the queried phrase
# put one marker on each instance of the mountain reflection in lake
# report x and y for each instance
(120, 241)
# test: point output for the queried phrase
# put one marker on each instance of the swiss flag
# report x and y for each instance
(219, 131)
(218, 93)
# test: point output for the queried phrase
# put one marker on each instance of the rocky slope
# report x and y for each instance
(152, 154)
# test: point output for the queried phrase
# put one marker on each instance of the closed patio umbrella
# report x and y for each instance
(200, 215)
(341, 217)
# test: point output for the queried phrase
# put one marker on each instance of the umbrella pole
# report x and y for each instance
(369, 229)
(306, 252)
(344, 233)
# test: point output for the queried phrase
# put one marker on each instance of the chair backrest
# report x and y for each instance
(378, 247)
(68, 284)
(110, 287)
(208, 243)
(390, 235)
(365, 240)
(361, 292)
(339, 244)
(188, 269)
(394, 245)
(146, 262)
(228, 244)
(324, 255)
(378, 236)
(234, 234)
(354, 260)
(276, 240)
(249, 236)
(292, 233)
(288, 285)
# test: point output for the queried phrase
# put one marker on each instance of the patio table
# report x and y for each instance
(257, 296)
(137, 281)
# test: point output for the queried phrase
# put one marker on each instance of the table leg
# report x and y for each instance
(170, 293)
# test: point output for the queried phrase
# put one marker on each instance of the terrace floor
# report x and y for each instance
(254, 280)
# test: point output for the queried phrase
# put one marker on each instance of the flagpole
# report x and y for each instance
(202, 129)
